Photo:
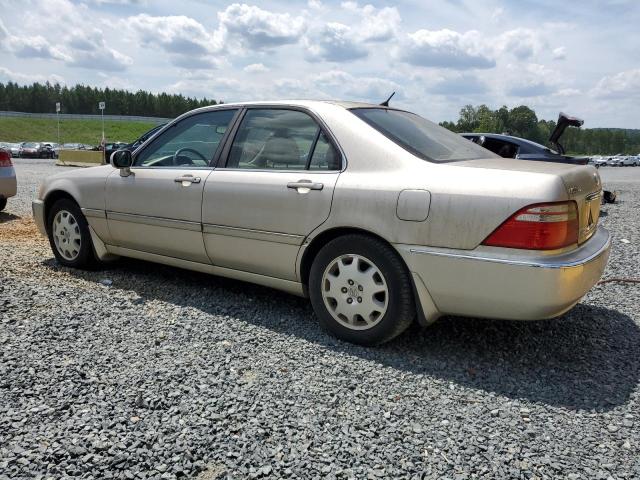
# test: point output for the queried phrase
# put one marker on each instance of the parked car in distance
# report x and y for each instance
(33, 150)
(599, 161)
(133, 145)
(508, 146)
(15, 148)
(52, 149)
(628, 161)
(8, 182)
(72, 146)
(111, 147)
(375, 213)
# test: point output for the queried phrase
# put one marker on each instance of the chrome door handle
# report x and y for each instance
(187, 179)
(305, 184)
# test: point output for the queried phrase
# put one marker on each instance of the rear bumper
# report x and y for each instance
(497, 283)
(38, 215)
(8, 186)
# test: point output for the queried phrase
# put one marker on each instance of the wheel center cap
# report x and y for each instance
(352, 291)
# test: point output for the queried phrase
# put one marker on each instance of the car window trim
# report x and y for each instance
(312, 150)
(224, 159)
(167, 127)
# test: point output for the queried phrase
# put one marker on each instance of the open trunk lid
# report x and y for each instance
(564, 121)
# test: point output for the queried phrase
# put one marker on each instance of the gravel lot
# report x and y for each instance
(145, 371)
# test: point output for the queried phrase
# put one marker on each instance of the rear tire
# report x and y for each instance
(361, 291)
(3, 203)
(69, 236)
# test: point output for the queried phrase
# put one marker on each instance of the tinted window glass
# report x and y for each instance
(273, 139)
(325, 156)
(191, 142)
(501, 147)
(421, 137)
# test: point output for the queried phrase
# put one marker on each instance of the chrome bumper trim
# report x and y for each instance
(597, 245)
(37, 207)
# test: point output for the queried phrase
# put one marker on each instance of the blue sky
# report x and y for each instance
(581, 57)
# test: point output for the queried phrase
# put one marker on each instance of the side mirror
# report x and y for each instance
(123, 160)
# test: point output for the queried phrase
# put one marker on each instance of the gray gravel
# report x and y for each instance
(145, 371)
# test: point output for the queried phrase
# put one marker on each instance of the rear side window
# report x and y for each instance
(421, 137)
(280, 139)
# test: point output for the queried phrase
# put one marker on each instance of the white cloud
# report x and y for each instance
(376, 25)
(187, 41)
(7, 75)
(84, 47)
(259, 29)
(28, 46)
(531, 80)
(255, 68)
(335, 42)
(89, 50)
(459, 84)
(559, 53)
(446, 49)
(624, 85)
(341, 84)
(523, 43)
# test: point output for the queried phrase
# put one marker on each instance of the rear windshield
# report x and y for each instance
(421, 137)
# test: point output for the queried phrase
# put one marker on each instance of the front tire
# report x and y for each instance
(3, 203)
(361, 291)
(69, 236)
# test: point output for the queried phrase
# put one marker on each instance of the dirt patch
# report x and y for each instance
(19, 230)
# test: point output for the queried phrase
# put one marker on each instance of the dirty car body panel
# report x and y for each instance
(253, 203)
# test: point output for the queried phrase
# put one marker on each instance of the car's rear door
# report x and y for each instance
(158, 208)
(275, 187)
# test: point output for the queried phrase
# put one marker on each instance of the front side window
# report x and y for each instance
(193, 141)
(281, 140)
(421, 137)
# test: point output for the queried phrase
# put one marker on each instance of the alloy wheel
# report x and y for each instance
(66, 235)
(355, 292)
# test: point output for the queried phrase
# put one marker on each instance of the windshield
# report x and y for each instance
(421, 137)
(31, 145)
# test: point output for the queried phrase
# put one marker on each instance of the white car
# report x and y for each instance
(8, 183)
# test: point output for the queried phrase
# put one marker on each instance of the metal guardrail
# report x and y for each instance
(78, 116)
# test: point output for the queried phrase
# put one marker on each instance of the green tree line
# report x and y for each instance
(523, 122)
(82, 99)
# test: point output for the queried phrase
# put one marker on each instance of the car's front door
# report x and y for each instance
(274, 189)
(158, 207)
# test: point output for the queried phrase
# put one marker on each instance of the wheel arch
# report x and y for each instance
(51, 198)
(425, 317)
(311, 250)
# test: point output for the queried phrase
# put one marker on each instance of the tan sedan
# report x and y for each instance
(376, 214)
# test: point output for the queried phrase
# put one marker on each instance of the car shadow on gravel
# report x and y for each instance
(8, 217)
(585, 360)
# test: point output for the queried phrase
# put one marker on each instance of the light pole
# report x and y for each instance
(58, 119)
(102, 106)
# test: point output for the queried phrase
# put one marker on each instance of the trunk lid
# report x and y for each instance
(564, 121)
(582, 183)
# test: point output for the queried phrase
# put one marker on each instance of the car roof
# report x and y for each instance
(301, 103)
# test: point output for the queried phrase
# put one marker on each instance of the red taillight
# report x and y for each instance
(5, 159)
(542, 226)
